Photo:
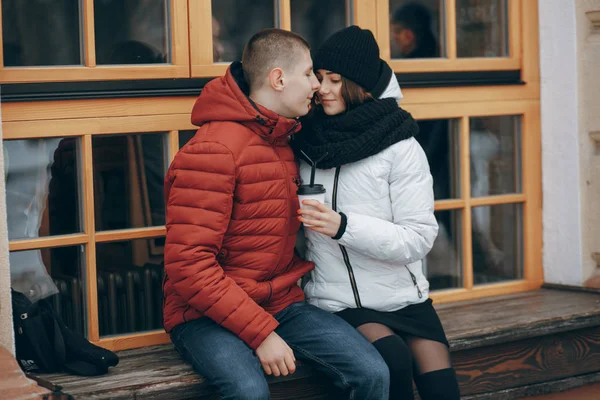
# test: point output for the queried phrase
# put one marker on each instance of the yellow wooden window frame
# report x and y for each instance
(451, 63)
(178, 68)
(373, 15)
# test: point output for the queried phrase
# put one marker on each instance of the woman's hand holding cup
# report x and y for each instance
(319, 218)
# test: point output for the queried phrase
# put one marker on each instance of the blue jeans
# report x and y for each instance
(320, 339)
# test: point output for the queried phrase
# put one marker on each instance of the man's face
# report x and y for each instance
(404, 38)
(300, 86)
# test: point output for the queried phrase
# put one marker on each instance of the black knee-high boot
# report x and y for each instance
(397, 356)
(438, 385)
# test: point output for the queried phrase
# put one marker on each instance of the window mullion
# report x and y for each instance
(465, 189)
(283, 14)
(89, 35)
(450, 28)
(93, 328)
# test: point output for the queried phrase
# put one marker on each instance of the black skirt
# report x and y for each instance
(418, 320)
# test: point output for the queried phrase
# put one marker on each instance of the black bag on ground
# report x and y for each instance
(45, 344)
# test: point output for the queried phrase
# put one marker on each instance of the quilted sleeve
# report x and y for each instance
(199, 191)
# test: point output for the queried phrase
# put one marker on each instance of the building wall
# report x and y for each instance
(560, 142)
(6, 326)
(570, 98)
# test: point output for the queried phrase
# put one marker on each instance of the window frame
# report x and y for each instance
(451, 63)
(90, 71)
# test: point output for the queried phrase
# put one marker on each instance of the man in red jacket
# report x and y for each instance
(232, 304)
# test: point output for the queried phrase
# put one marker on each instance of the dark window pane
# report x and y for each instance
(42, 187)
(130, 286)
(41, 33)
(495, 147)
(443, 264)
(234, 23)
(482, 28)
(185, 136)
(129, 173)
(316, 20)
(55, 274)
(439, 139)
(497, 243)
(416, 28)
(132, 31)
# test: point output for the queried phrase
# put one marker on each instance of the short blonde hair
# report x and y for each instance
(268, 49)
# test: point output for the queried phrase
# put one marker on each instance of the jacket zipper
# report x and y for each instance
(342, 248)
(414, 279)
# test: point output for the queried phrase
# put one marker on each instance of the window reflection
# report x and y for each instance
(443, 264)
(129, 174)
(132, 31)
(416, 28)
(234, 23)
(41, 33)
(495, 147)
(316, 20)
(482, 28)
(130, 277)
(439, 140)
(42, 187)
(56, 274)
(497, 243)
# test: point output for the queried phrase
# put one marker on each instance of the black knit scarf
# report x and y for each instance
(354, 135)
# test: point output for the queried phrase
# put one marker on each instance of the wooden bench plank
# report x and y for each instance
(521, 338)
(525, 362)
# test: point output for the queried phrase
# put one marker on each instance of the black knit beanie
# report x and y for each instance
(353, 53)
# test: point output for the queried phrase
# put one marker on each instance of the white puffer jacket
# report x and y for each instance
(388, 199)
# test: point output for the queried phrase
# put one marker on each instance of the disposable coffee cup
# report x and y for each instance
(307, 192)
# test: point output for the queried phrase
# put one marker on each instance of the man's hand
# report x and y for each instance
(321, 219)
(276, 356)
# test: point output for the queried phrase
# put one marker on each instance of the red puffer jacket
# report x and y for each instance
(231, 216)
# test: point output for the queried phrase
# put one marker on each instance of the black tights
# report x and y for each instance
(427, 361)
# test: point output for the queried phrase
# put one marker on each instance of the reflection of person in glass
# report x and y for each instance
(377, 224)
(232, 303)
(411, 27)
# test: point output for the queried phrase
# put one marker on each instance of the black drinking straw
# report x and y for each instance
(313, 166)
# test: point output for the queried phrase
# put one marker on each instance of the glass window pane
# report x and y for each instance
(185, 136)
(497, 243)
(234, 23)
(313, 23)
(42, 187)
(440, 139)
(443, 264)
(417, 28)
(132, 31)
(41, 33)
(129, 173)
(495, 146)
(482, 28)
(130, 285)
(56, 274)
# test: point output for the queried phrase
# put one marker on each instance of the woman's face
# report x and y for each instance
(330, 93)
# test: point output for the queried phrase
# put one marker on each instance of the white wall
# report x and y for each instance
(570, 104)
(6, 325)
(560, 142)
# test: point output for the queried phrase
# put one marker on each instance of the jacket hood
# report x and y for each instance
(226, 99)
(392, 90)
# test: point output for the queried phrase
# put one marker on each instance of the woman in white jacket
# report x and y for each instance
(377, 223)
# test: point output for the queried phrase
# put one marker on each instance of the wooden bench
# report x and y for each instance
(502, 348)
